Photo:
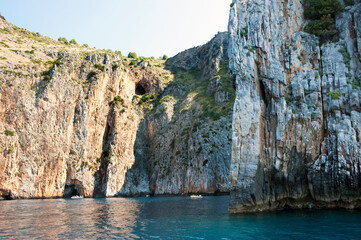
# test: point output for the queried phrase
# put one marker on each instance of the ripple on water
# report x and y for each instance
(166, 218)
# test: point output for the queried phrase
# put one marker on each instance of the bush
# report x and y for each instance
(334, 95)
(2, 17)
(324, 27)
(132, 55)
(85, 45)
(116, 100)
(9, 133)
(99, 66)
(73, 41)
(322, 13)
(29, 51)
(63, 40)
(165, 57)
(355, 85)
(118, 52)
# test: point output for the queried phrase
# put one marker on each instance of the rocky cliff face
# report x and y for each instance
(296, 121)
(189, 132)
(81, 121)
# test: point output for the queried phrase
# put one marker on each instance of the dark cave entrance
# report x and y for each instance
(73, 189)
(263, 93)
(139, 89)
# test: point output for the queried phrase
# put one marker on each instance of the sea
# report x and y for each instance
(167, 218)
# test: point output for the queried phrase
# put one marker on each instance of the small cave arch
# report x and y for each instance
(74, 188)
(139, 89)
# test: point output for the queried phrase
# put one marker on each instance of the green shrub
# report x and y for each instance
(132, 55)
(165, 57)
(29, 51)
(322, 13)
(99, 66)
(166, 99)
(118, 52)
(355, 84)
(63, 40)
(231, 5)
(85, 45)
(73, 41)
(244, 33)
(147, 98)
(9, 133)
(334, 95)
(115, 67)
(116, 100)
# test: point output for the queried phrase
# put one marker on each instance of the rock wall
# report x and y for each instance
(295, 144)
(81, 121)
(188, 133)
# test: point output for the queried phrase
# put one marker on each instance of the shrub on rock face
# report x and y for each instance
(8, 132)
(322, 14)
(334, 95)
(165, 57)
(132, 55)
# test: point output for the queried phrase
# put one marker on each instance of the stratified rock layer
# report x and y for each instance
(295, 142)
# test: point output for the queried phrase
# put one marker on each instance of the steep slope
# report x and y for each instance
(189, 132)
(81, 121)
(296, 121)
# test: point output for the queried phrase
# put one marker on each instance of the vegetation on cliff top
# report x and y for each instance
(322, 14)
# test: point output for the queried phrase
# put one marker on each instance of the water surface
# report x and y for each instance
(166, 218)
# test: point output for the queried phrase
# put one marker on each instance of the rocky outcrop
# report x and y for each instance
(296, 128)
(206, 58)
(82, 121)
(188, 133)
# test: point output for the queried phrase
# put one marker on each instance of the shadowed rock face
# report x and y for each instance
(81, 121)
(295, 144)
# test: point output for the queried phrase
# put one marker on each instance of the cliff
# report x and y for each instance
(296, 120)
(80, 121)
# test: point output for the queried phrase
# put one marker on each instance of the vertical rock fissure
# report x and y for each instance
(101, 176)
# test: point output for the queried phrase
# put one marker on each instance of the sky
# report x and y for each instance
(147, 27)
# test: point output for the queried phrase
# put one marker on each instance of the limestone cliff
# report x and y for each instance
(296, 121)
(81, 121)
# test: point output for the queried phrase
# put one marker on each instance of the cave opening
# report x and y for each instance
(139, 89)
(73, 190)
(263, 93)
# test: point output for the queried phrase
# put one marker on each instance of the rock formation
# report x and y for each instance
(81, 121)
(296, 121)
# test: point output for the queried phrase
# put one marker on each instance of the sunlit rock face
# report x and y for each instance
(294, 143)
(81, 121)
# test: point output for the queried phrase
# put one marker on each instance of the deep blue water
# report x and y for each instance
(166, 218)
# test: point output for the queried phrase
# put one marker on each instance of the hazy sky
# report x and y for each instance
(148, 27)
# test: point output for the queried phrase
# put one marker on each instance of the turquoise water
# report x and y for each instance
(166, 218)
